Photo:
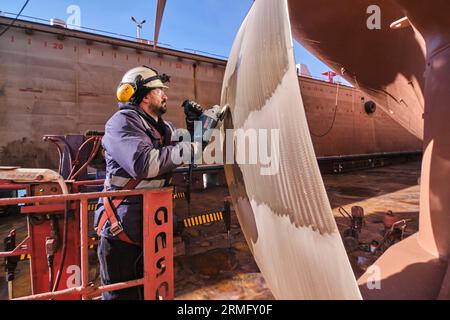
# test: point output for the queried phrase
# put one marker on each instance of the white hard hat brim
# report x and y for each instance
(157, 85)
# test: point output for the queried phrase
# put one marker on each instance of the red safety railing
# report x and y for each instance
(158, 279)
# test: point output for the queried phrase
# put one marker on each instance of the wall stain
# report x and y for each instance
(27, 154)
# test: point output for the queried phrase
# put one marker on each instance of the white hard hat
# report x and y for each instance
(137, 78)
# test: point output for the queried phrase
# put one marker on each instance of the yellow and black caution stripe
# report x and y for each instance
(203, 219)
(25, 257)
(92, 206)
(179, 195)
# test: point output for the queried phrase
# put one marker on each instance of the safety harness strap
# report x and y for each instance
(155, 130)
(109, 214)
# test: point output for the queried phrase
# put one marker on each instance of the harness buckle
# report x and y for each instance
(116, 228)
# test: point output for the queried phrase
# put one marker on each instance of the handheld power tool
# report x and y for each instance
(209, 119)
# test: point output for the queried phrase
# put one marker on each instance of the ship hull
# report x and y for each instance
(384, 63)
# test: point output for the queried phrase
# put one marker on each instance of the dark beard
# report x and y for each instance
(163, 109)
(160, 110)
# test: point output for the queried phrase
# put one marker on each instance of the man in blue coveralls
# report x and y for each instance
(138, 153)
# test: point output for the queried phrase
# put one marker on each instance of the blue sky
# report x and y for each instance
(204, 25)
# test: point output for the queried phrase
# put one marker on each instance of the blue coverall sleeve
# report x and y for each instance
(128, 144)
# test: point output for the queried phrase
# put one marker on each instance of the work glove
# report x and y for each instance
(192, 111)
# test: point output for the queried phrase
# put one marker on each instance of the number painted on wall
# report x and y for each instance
(58, 46)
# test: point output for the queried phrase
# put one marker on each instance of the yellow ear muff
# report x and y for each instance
(124, 92)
